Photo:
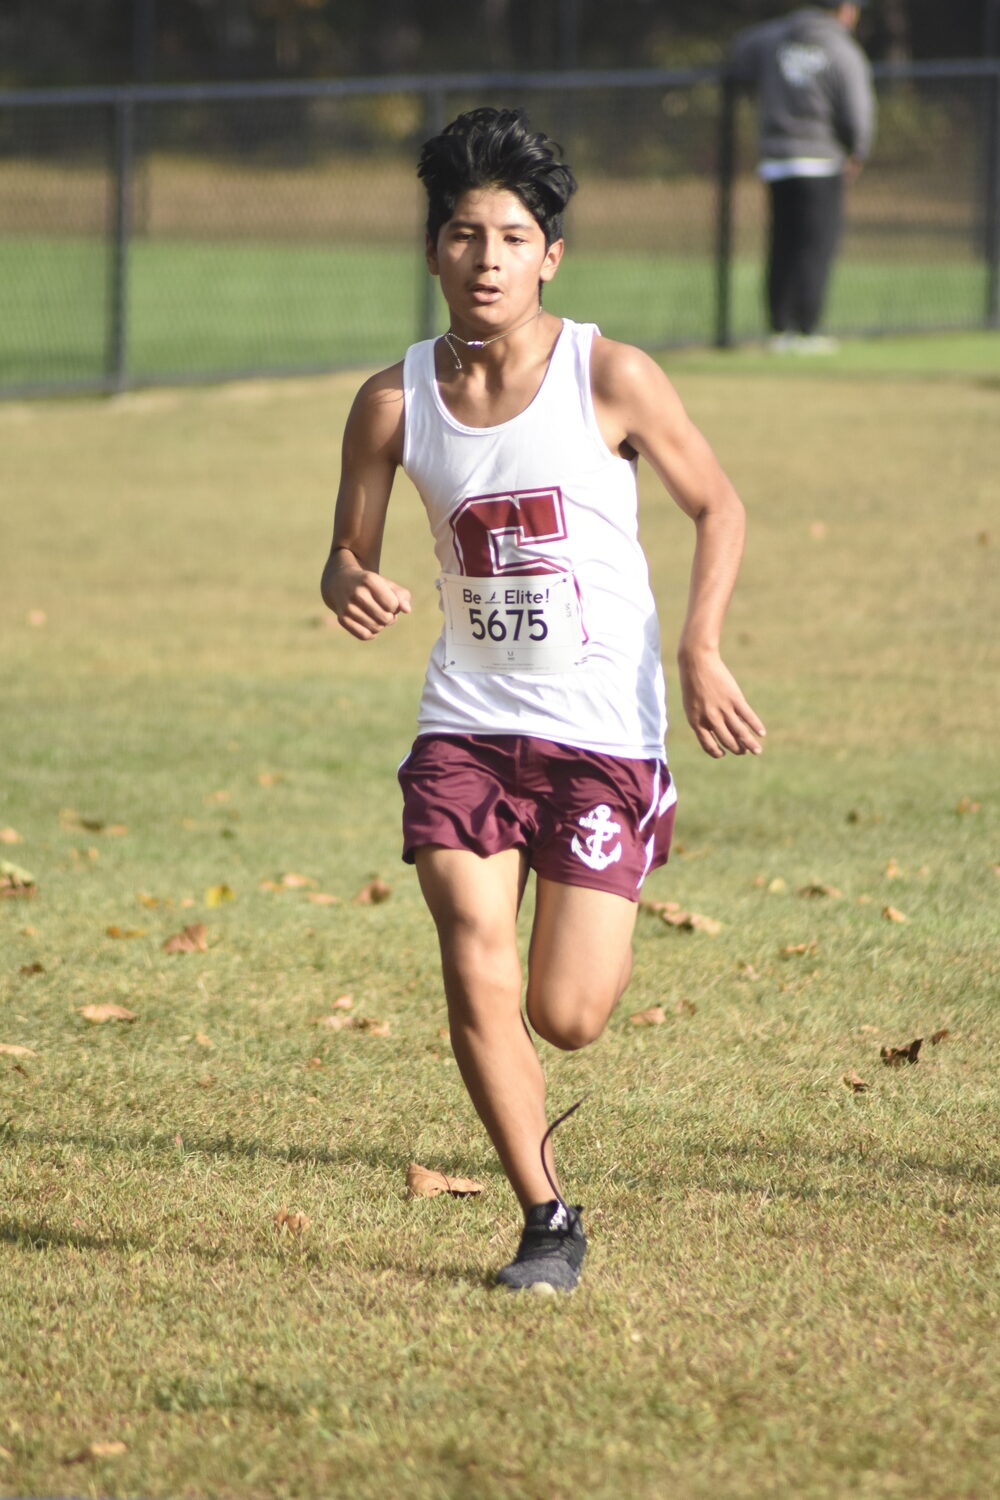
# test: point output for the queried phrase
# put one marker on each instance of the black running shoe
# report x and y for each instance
(551, 1250)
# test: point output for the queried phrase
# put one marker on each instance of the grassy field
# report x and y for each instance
(792, 1287)
(204, 307)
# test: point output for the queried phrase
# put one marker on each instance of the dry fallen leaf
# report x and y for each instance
(816, 889)
(776, 886)
(366, 1023)
(423, 1183)
(98, 1014)
(853, 1081)
(895, 1057)
(654, 1016)
(892, 870)
(374, 893)
(125, 932)
(193, 939)
(939, 1036)
(791, 949)
(343, 1002)
(144, 899)
(10, 836)
(270, 778)
(32, 968)
(112, 1449)
(215, 895)
(72, 822)
(967, 805)
(674, 915)
(344, 1022)
(14, 1049)
(295, 882)
(748, 972)
(14, 881)
(892, 915)
(322, 898)
(685, 1007)
(291, 1223)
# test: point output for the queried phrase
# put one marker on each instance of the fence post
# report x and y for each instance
(724, 218)
(992, 245)
(122, 154)
(434, 123)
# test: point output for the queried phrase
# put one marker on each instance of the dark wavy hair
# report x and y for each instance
(495, 148)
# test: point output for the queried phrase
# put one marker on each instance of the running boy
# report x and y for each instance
(542, 718)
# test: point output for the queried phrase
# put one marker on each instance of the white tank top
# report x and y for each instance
(539, 495)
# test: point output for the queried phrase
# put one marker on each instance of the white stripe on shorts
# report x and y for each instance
(658, 806)
(655, 798)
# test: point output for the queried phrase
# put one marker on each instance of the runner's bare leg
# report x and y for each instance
(580, 961)
(474, 903)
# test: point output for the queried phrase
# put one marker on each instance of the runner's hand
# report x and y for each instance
(365, 603)
(717, 711)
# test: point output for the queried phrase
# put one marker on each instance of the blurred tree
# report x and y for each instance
(85, 41)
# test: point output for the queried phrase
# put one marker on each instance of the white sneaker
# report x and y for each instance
(781, 343)
(815, 343)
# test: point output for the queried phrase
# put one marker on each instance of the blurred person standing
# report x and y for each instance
(816, 125)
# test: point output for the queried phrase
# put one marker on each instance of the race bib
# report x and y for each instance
(514, 623)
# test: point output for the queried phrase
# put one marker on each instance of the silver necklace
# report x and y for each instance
(482, 343)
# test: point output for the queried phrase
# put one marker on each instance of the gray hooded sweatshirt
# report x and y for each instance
(814, 87)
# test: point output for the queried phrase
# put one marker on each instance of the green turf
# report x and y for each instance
(932, 357)
(792, 1287)
(207, 307)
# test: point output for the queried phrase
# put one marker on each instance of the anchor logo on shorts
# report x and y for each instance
(603, 831)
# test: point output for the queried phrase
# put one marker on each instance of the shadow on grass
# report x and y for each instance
(34, 1235)
(884, 1169)
(228, 1145)
(450, 1275)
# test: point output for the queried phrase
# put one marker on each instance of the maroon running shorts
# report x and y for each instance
(583, 818)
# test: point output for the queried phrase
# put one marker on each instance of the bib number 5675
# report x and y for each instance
(508, 625)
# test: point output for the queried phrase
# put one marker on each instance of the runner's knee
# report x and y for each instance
(569, 1034)
(569, 1021)
(482, 973)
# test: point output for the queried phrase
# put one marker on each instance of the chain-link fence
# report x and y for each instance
(191, 233)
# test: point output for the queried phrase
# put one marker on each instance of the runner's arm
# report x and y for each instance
(639, 409)
(363, 600)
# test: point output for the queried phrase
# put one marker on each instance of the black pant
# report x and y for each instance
(806, 215)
